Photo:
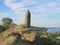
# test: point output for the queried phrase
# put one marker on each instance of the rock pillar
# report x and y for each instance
(27, 19)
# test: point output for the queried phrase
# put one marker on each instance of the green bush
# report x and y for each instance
(6, 22)
(1, 28)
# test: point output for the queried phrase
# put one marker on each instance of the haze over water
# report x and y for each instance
(54, 30)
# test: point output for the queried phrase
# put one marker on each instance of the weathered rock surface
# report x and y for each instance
(27, 19)
(23, 33)
(9, 40)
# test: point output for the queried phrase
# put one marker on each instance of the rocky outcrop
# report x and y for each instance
(26, 34)
(29, 36)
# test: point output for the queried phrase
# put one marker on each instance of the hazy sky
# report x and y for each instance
(44, 13)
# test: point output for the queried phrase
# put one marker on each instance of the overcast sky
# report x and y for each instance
(44, 13)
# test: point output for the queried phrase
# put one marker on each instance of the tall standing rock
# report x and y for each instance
(27, 19)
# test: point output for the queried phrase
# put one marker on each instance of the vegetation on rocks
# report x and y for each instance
(1, 28)
(50, 38)
(6, 24)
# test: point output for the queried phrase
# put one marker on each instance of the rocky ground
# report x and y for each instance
(17, 34)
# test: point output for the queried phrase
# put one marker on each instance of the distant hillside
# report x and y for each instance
(39, 28)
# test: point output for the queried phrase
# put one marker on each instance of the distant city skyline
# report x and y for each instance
(44, 13)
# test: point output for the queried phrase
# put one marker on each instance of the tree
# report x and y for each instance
(6, 22)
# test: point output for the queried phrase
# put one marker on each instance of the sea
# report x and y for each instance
(52, 30)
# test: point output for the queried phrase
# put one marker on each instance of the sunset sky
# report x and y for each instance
(44, 13)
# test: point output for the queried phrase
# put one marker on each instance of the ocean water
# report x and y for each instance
(54, 30)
